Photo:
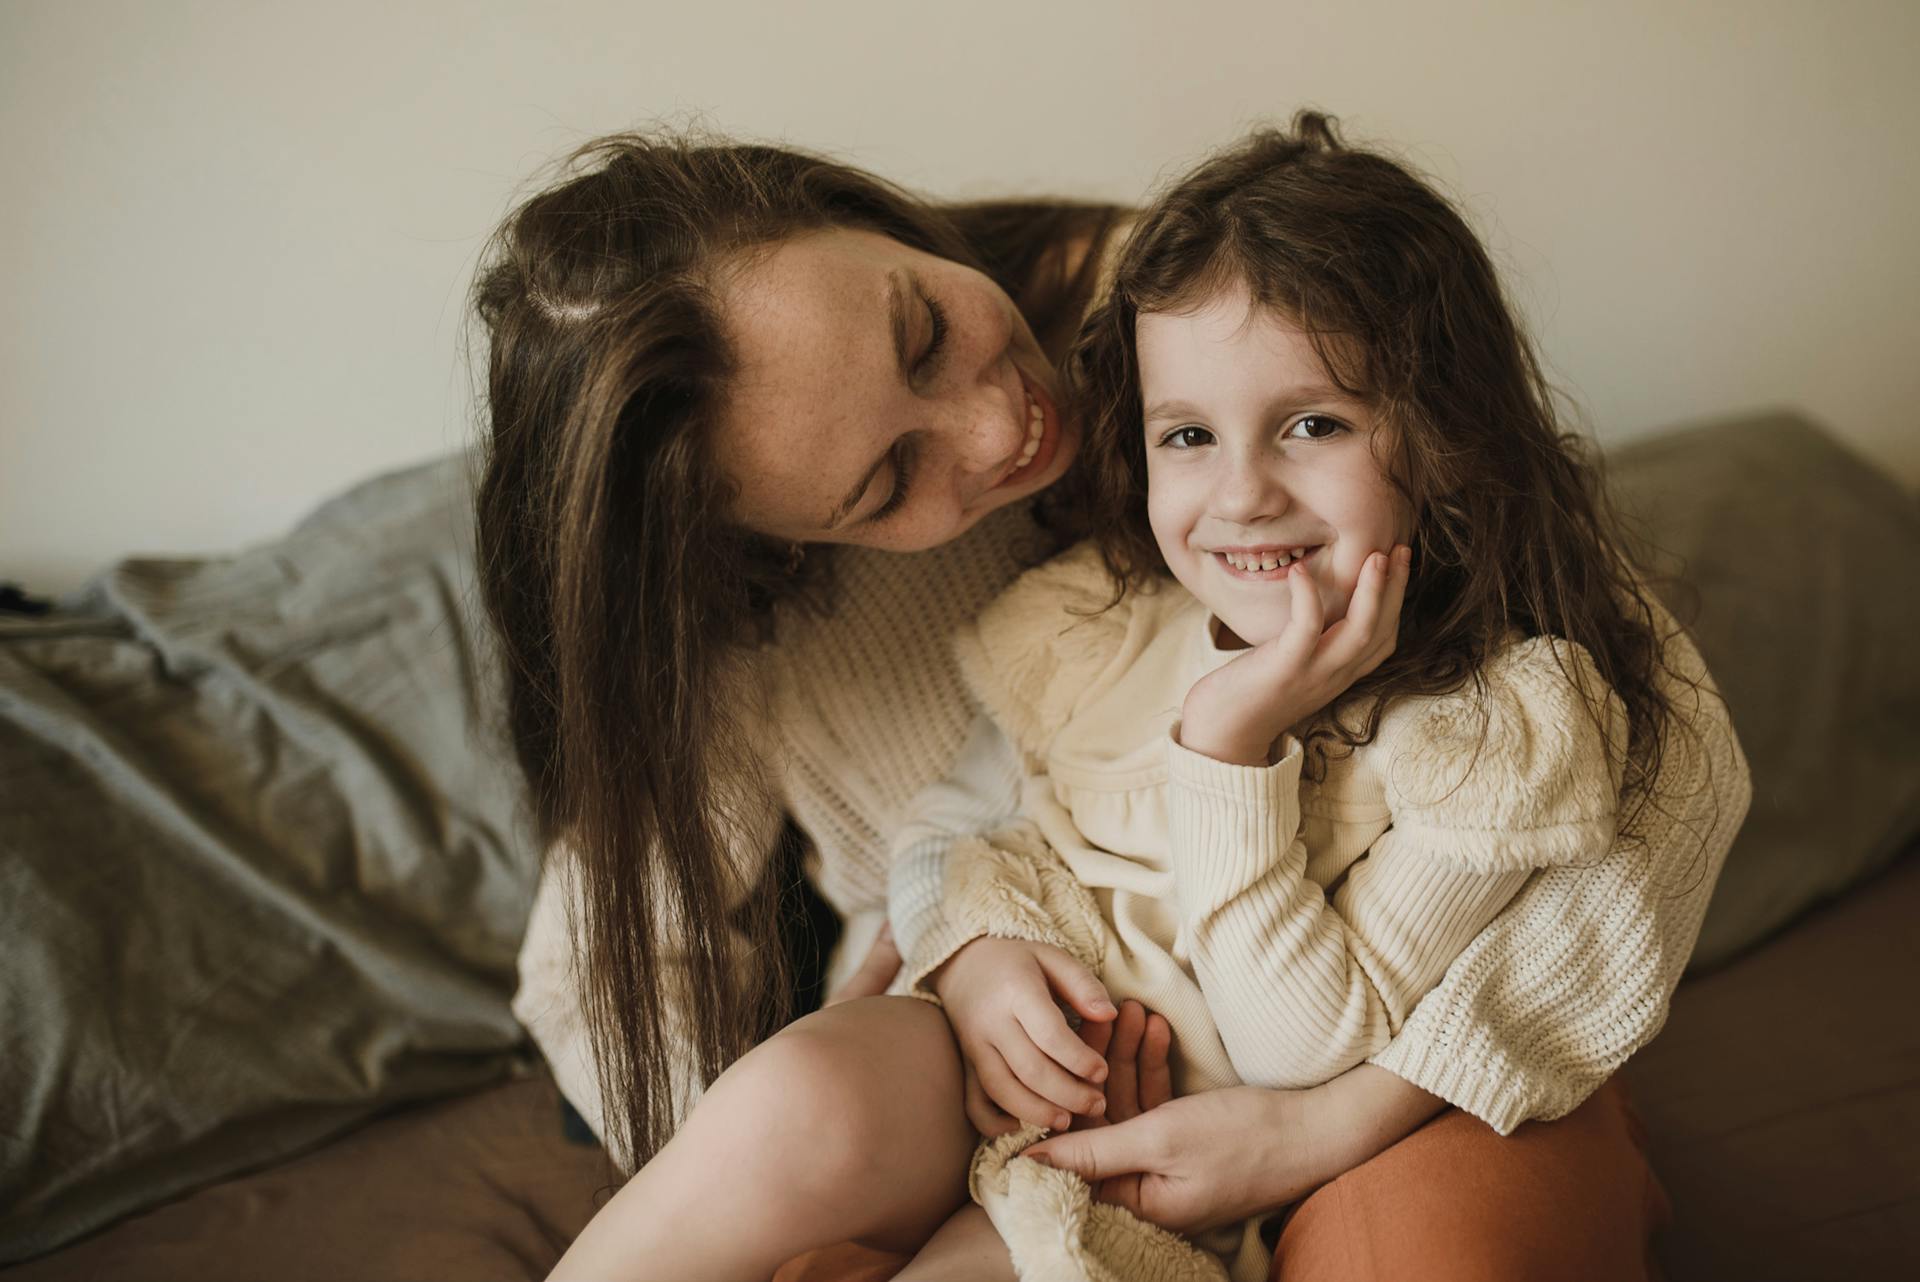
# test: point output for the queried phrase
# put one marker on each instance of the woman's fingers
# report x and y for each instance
(1107, 1153)
(1156, 1076)
(1123, 1062)
(1097, 1035)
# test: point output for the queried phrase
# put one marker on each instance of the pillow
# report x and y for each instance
(262, 873)
(1801, 586)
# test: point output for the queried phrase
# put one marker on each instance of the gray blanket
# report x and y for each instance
(262, 868)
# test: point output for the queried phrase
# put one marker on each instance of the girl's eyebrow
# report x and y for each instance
(1171, 409)
(1292, 398)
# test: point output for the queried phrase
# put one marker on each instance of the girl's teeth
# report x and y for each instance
(1264, 561)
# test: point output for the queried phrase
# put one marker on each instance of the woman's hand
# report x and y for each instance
(1235, 712)
(1023, 1061)
(875, 973)
(1220, 1156)
(1135, 1046)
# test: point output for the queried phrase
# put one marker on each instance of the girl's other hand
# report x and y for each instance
(1023, 1061)
(1235, 712)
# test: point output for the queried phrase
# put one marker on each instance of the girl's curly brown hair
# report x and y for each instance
(1512, 528)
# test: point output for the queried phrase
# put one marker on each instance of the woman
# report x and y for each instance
(764, 431)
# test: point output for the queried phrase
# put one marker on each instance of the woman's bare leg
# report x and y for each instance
(847, 1125)
(966, 1249)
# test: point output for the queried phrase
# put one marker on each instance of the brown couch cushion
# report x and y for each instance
(1783, 1099)
(482, 1188)
(1800, 569)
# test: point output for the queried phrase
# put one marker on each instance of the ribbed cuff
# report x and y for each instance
(1489, 1087)
(936, 948)
(1229, 823)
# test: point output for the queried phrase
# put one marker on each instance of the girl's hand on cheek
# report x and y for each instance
(1235, 712)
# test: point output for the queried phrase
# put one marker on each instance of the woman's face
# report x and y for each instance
(886, 397)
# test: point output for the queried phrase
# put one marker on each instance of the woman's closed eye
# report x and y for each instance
(937, 338)
(903, 452)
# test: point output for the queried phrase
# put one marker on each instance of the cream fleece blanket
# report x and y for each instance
(1058, 1233)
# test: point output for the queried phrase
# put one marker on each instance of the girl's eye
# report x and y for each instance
(1187, 437)
(937, 320)
(1316, 427)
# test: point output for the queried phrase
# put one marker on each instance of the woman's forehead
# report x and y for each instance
(805, 414)
(798, 307)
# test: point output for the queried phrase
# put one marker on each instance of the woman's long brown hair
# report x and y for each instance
(1512, 527)
(624, 601)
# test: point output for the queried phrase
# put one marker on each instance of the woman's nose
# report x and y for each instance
(984, 431)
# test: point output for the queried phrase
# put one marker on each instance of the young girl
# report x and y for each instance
(1350, 657)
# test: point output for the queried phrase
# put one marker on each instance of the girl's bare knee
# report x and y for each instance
(817, 1095)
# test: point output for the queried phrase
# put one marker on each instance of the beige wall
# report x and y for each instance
(236, 237)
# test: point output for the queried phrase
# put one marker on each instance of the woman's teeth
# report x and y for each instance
(1264, 560)
(1036, 428)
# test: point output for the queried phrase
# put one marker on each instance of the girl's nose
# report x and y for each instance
(1251, 490)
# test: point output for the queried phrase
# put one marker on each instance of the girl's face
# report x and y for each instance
(1258, 466)
(887, 397)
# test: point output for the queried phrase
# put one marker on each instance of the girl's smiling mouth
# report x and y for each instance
(1263, 564)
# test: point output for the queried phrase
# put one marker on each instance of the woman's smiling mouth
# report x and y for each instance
(1043, 438)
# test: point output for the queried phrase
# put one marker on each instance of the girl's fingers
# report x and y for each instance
(1397, 578)
(1048, 1029)
(1006, 1090)
(1304, 609)
(1357, 630)
(986, 1116)
(1079, 987)
(1039, 1073)
(1293, 647)
(1393, 597)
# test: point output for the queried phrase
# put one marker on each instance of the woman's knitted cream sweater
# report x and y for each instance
(862, 709)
